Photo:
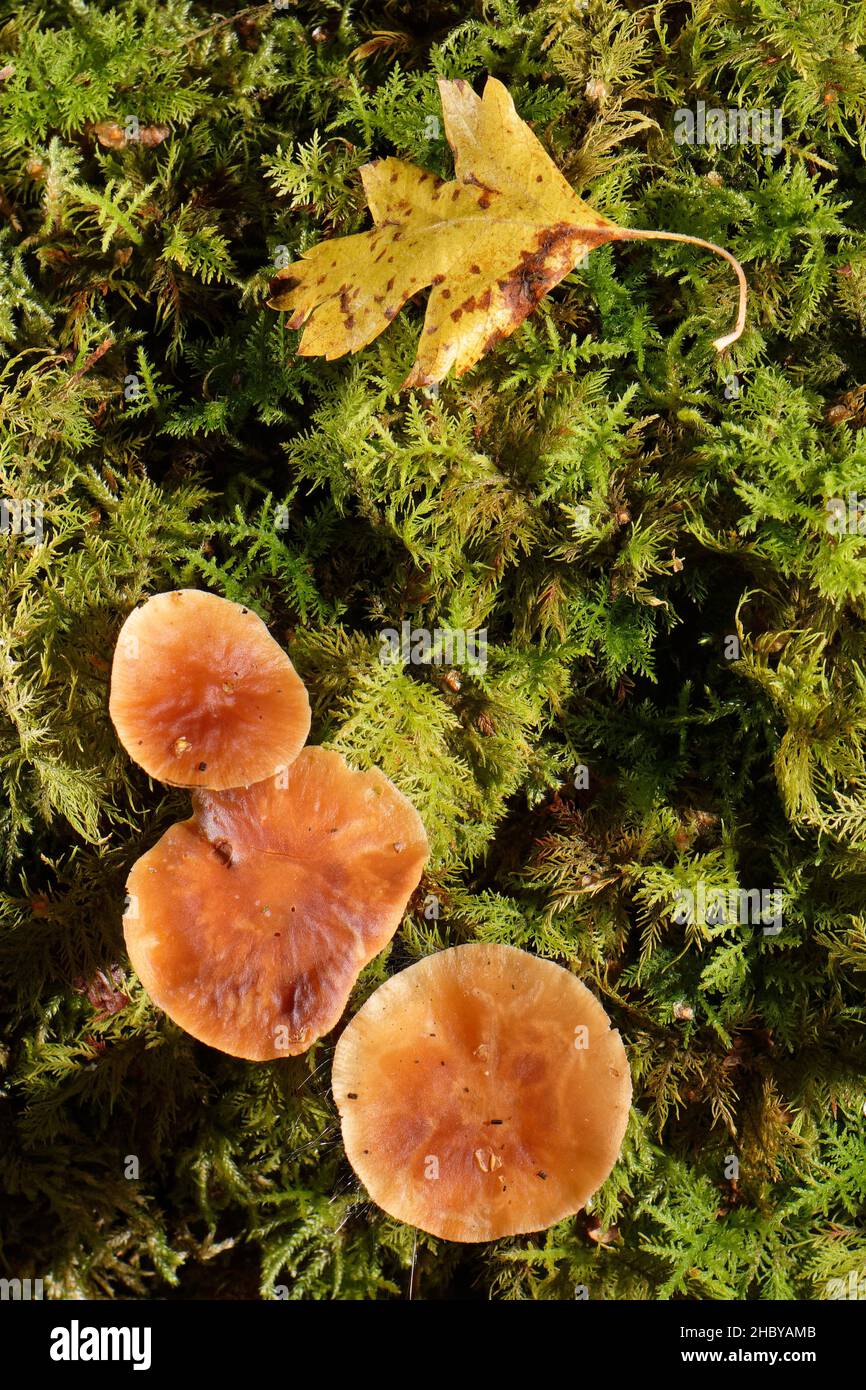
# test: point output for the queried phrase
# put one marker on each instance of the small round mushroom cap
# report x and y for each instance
(482, 1093)
(249, 923)
(202, 695)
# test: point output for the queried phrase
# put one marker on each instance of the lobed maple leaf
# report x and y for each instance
(491, 242)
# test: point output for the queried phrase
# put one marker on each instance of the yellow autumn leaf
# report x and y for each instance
(491, 242)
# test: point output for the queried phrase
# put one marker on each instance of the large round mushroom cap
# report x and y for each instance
(249, 923)
(202, 695)
(482, 1093)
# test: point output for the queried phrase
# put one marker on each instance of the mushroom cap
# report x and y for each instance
(249, 923)
(202, 695)
(470, 1106)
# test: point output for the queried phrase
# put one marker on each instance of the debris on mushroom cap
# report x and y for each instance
(202, 695)
(482, 1093)
(249, 923)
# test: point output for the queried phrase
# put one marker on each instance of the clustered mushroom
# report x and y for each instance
(482, 1093)
(202, 695)
(254, 918)
(249, 923)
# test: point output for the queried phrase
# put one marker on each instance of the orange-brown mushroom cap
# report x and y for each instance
(249, 923)
(202, 695)
(482, 1093)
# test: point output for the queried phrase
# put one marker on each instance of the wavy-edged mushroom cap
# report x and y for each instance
(482, 1093)
(249, 923)
(202, 695)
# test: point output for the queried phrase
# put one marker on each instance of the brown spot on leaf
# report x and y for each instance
(282, 284)
(474, 269)
(539, 270)
(346, 307)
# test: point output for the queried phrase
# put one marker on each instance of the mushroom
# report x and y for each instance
(202, 695)
(249, 923)
(482, 1093)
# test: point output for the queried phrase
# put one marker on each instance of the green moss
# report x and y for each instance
(641, 527)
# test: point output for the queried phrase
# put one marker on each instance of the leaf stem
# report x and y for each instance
(635, 234)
